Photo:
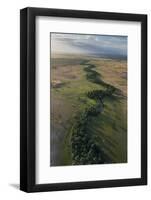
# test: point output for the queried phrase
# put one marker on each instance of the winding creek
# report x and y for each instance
(84, 147)
(81, 145)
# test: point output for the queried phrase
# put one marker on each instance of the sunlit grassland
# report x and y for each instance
(68, 88)
(110, 130)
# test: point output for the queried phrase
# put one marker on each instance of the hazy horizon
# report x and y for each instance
(90, 45)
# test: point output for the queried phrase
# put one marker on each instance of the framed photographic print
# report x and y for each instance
(83, 95)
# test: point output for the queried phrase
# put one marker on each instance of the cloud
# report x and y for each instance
(89, 44)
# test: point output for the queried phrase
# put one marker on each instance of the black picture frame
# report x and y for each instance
(28, 98)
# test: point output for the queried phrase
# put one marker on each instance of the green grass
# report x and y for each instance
(109, 128)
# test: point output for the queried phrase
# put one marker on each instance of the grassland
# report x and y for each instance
(72, 79)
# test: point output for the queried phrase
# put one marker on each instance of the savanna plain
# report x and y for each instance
(88, 110)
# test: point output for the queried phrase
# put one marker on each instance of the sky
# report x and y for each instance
(99, 45)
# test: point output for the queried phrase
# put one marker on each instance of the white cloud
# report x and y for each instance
(88, 44)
